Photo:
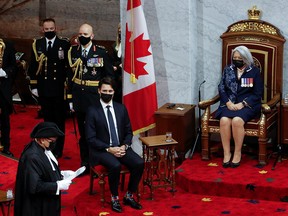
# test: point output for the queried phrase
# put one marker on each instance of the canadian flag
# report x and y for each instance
(139, 86)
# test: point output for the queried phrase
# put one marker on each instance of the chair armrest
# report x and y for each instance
(267, 107)
(205, 103)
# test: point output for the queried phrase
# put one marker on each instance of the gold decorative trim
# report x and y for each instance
(253, 27)
(2, 48)
(33, 82)
(253, 39)
(251, 133)
(262, 126)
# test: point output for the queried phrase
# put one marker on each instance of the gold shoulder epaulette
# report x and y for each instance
(37, 38)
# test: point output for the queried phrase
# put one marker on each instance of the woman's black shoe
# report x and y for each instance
(235, 165)
(226, 164)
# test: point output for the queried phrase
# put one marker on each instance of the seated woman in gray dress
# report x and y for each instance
(240, 90)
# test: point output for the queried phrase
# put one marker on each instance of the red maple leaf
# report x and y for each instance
(135, 49)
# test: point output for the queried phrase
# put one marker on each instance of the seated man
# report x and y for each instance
(110, 145)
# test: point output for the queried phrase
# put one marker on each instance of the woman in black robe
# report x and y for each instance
(39, 180)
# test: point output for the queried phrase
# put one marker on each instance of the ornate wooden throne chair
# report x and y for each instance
(265, 42)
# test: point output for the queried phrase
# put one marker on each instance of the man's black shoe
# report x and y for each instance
(7, 153)
(115, 204)
(131, 202)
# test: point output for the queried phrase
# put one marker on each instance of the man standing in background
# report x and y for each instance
(90, 63)
(48, 71)
(8, 70)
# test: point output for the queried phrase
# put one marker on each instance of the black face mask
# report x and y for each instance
(238, 63)
(84, 40)
(51, 146)
(50, 34)
(106, 97)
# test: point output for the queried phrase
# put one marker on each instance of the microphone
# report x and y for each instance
(202, 83)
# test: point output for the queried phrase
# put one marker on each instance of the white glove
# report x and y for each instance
(68, 174)
(71, 106)
(2, 73)
(64, 184)
(35, 92)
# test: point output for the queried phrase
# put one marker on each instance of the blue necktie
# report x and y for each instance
(112, 127)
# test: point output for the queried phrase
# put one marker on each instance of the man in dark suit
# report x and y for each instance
(109, 136)
(7, 75)
(48, 72)
(90, 63)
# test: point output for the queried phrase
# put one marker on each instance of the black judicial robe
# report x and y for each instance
(35, 191)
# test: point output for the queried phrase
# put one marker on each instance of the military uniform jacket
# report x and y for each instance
(48, 71)
(86, 73)
(10, 67)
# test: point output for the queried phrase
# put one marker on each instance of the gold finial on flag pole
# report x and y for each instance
(132, 78)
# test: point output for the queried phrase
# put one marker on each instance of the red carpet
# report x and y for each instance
(247, 181)
(203, 188)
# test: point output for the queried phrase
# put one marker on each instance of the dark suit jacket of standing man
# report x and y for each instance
(83, 86)
(50, 82)
(98, 138)
(6, 106)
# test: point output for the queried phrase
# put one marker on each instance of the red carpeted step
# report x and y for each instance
(247, 181)
(183, 203)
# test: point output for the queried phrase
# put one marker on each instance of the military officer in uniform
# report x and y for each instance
(8, 70)
(48, 72)
(89, 63)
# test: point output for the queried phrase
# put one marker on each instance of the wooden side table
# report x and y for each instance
(159, 157)
(180, 120)
(5, 201)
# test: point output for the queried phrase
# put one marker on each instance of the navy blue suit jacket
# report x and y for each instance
(97, 132)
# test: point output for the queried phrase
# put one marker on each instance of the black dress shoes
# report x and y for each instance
(131, 202)
(7, 153)
(115, 204)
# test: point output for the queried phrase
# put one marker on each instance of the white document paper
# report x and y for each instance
(77, 173)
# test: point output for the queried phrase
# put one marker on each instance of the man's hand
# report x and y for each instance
(67, 174)
(117, 151)
(64, 184)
